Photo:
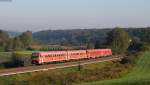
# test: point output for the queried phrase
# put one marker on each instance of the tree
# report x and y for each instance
(90, 46)
(9, 46)
(97, 45)
(118, 39)
(136, 44)
(4, 37)
(17, 44)
(26, 39)
(146, 35)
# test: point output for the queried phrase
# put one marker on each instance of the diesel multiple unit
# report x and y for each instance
(54, 56)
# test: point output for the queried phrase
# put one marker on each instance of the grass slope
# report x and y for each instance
(139, 76)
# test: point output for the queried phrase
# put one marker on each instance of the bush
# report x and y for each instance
(21, 59)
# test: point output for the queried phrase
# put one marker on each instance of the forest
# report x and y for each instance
(76, 37)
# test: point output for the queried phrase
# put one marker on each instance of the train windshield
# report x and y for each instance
(34, 55)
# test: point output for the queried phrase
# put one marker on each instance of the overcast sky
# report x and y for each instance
(37, 15)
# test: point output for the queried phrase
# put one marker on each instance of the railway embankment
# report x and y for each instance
(69, 75)
(138, 75)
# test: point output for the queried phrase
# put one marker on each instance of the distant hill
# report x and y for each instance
(82, 36)
(74, 36)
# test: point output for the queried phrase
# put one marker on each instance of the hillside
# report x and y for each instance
(82, 36)
(74, 36)
(140, 74)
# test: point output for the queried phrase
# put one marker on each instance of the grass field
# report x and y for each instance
(20, 78)
(140, 75)
(6, 56)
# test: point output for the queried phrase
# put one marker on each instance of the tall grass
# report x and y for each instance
(140, 75)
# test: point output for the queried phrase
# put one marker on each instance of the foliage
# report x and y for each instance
(135, 45)
(88, 37)
(26, 38)
(142, 33)
(79, 74)
(20, 59)
(8, 43)
(97, 45)
(17, 44)
(118, 39)
(75, 36)
(4, 37)
(140, 74)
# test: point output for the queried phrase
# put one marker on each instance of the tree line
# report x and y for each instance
(23, 41)
(82, 36)
(117, 38)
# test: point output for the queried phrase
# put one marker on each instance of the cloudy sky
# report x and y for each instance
(21, 15)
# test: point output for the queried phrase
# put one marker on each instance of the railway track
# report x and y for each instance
(20, 70)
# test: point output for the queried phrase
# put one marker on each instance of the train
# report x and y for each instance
(57, 56)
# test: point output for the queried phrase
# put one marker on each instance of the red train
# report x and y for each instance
(51, 56)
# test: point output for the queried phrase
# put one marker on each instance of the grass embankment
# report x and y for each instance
(51, 77)
(140, 74)
(68, 76)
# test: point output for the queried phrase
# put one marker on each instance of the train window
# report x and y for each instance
(34, 55)
(47, 56)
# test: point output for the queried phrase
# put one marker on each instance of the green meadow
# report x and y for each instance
(140, 74)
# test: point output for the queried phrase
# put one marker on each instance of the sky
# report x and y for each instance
(35, 15)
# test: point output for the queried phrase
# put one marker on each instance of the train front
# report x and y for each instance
(35, 58)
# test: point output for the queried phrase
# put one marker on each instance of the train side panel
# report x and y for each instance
(98, 52)
(76, 54)
(53, 56)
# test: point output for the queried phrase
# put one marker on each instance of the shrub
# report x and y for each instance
(20, 59)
